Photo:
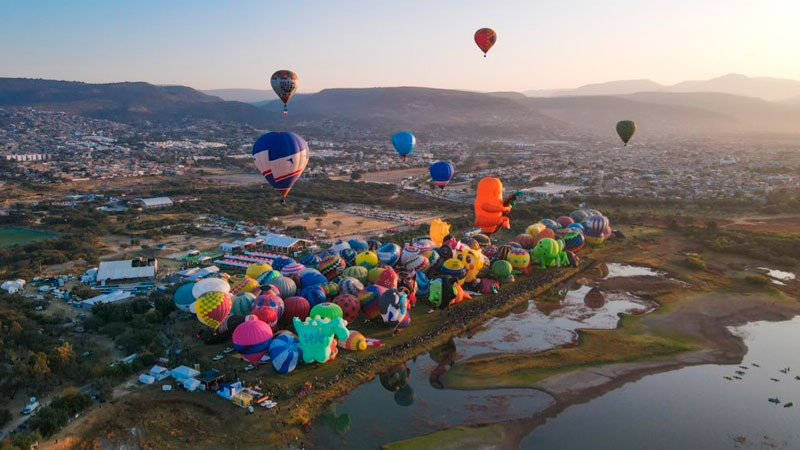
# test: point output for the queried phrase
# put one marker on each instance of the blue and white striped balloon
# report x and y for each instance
(285, 352)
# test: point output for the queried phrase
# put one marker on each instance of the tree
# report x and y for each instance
(355, 175)
(318, 220)
(337, 223)
(5, 417)
(63, 359)
(40, 367)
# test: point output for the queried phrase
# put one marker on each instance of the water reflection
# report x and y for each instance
(695, 407)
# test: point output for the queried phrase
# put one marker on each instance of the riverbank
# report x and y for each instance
(691, 327)
(286, 424)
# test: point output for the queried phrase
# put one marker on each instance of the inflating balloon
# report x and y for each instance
(389, 254)
(183, 297)
(501, 269)
(252, 338)
(242, 303)
(393, 306)
(350, 306)
(210, 285)
(368, 259)
(360, 273)
(292, 268)
(354, 341)
(256, 269)
(295, 307)
(281, 157)
(485, 39)
(368, 298)
(285, 352)
(212, 308)
(491, 210)
(625, 130)
(326, 310)
(332, 266)
(267, 315)
(548, 253)
(284, 83)
(438, 230)
(403, 143)
(519, 258)
(374, 273)
(316, 337)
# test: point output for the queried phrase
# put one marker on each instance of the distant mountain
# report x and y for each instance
(242, 95)
(659, 113)
(433, 112)
(129, 102)
(613, 88)
(772, 89)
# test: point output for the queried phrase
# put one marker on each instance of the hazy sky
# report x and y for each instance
(360, 43)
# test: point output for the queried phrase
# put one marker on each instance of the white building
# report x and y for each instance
(111, 297)
(126, 270)
(13, 286)
(155, 202)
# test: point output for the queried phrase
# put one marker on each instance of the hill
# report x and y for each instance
(439, 112)
(129, 102)
(771, 89)
(242, 95)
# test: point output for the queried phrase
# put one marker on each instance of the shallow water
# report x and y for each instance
(694, 407)
(373, 414)
(532, 331)
(627, 270)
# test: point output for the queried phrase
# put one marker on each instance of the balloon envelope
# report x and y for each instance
(485, 38)
(441, 173)
(281, 157)
(284, 83)
(403, 143)
(625, 130)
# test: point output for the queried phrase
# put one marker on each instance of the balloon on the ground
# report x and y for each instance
(625, 130)
(316, 337)
(210, 285)
(350, 306)
(246, 284)
(491, 211)
(360, 273)
(312, 276)
(519, 258)
(284, 83)
(501, 269)
(285, 285)
(403, 143)
(551, 224)
(441, 173)
(256, 269)
(438, 230)
(183, 297)
(327, 310)
(389, 253)
(387, 278)
(295, 307)
(368, 259)
(267, 315)
(354, 341)
(350, 285)
(332, 266)
(485, 39)
(280, 157)
(242, 303)
(473, 262)
(285, 352)
(291, 269)
(315, 294)
(212, 308)
(374, 273)
(564, 221)
(574, 240)
(265, 277)
(252, 338)
(393, 306)
(525, 240)
(368, 298)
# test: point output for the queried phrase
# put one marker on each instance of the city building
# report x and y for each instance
(126, 270)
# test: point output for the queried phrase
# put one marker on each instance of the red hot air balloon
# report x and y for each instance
(485, 38)
(284, 83)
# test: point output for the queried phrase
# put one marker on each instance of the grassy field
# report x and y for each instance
(20, 236)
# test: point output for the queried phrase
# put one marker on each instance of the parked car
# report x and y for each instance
(249, 367)
(31, 407)
(217, 357)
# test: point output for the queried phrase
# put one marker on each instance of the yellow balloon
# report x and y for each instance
(535, 229)
(256, 269)
(473, 260)
(439, 229)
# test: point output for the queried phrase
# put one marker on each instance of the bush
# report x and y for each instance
(695, 261)
(5, 417)
(756, 279)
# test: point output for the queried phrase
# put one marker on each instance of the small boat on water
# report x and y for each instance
(788, 405)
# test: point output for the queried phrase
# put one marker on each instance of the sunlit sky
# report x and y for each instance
(541, 44)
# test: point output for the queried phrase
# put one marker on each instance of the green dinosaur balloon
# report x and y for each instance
(549, 253)
(316, 336)
(326, 310)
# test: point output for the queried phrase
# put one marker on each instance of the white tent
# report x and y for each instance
(191, 384)
(146, 379)
(183, 372)
(159, 372)
(13, 286)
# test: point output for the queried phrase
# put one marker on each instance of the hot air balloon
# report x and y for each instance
(281, 158)
(284, 83)
(210, 285)
(441, 173)
(350, 285)
(183, 297)
(403, 143)
(266, 314)
(242, 303)
(485, 39)
(212, 308)
(285, 352)
(256, 269)
(350, 306)
(625, 130)
(389, 253)
(252, 338)
(295, 307)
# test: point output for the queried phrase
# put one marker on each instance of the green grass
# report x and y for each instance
(456, 437)
(21, 236)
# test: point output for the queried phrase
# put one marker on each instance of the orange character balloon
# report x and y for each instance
(491, 211)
